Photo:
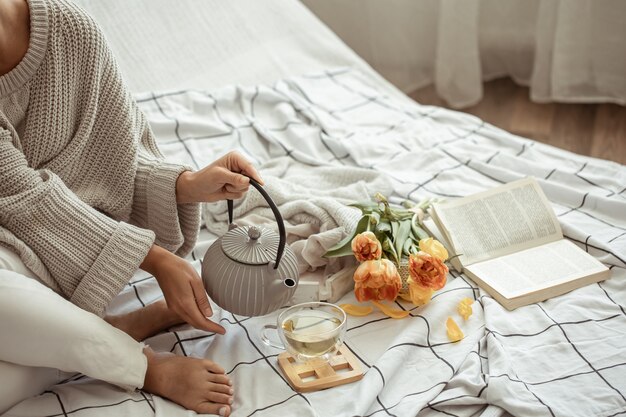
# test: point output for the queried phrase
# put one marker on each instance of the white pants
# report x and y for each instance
(44, 336)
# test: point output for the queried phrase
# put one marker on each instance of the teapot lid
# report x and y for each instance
(251, 245)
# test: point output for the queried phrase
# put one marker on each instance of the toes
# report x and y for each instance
(211, 408)
(223, 388)
(213, 367)
(220, 379)
(219, 398)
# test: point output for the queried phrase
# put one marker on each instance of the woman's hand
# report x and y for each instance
(225, 179)
(182, 288)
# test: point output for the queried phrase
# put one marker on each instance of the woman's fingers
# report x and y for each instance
(184, 293)
(236, 189)
(230, 196)
(213, 327)
(201, 298)
(205, 307)
(194, 317)
(226, 178)
(238, 163)
(190, 312)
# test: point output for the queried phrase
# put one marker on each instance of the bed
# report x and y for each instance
(269, 80)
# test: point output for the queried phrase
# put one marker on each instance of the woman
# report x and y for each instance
(85, 200)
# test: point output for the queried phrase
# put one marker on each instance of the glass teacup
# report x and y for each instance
(309, 330)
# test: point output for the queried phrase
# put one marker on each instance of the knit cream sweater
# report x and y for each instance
(84, 190)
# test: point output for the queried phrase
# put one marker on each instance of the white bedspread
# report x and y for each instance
(562, 357)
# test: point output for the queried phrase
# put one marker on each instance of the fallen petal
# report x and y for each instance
(357, 311)
(454, 333)
(465, 308)
(391, 312)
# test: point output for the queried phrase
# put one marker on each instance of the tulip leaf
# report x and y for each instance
(380, 236)
(389, 250)
(401, 236)
(418, 232)
(365, 205)
(375, 219)
(344, 250)
(395, 225)
(383, 226)
(406, 249)
(344, 247)
(416, 229)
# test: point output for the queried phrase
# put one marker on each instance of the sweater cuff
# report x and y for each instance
(176, 225)
(113, 268)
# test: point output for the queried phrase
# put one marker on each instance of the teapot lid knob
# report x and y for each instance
(254, 232)
(241, 245)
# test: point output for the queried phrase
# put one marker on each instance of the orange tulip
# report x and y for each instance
(377, 280)
(366, 247)
(427, 271)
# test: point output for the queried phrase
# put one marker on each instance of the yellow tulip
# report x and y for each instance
(419, 294)
(434, 248)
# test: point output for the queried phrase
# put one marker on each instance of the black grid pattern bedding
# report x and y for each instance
(562, 357)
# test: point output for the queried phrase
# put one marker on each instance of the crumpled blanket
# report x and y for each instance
(313, 201)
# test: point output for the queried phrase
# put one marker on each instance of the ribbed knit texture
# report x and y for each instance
(84, 190)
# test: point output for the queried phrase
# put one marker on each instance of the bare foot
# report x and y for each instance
(196, 384)
(145, 322)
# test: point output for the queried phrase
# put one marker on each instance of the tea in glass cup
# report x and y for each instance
(309, 330)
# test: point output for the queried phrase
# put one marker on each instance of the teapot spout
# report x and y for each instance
(278, 284)
(289, 282)
(279, 289)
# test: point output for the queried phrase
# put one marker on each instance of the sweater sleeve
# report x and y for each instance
(90, 255)
(154, 206)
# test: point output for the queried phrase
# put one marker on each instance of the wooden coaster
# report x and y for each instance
(317, 374)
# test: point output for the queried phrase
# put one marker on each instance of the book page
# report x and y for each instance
(537, 268)
(494, 223)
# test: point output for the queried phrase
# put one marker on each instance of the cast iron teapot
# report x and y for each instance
(250, 271)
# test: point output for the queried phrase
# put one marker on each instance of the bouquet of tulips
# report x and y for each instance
(386, 237)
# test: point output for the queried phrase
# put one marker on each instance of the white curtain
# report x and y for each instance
(564, 50)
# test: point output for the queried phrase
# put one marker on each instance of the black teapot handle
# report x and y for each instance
(279, 219)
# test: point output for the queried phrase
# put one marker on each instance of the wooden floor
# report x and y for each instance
(597, 130)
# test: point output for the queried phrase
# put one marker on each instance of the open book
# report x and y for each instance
(509, 242)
